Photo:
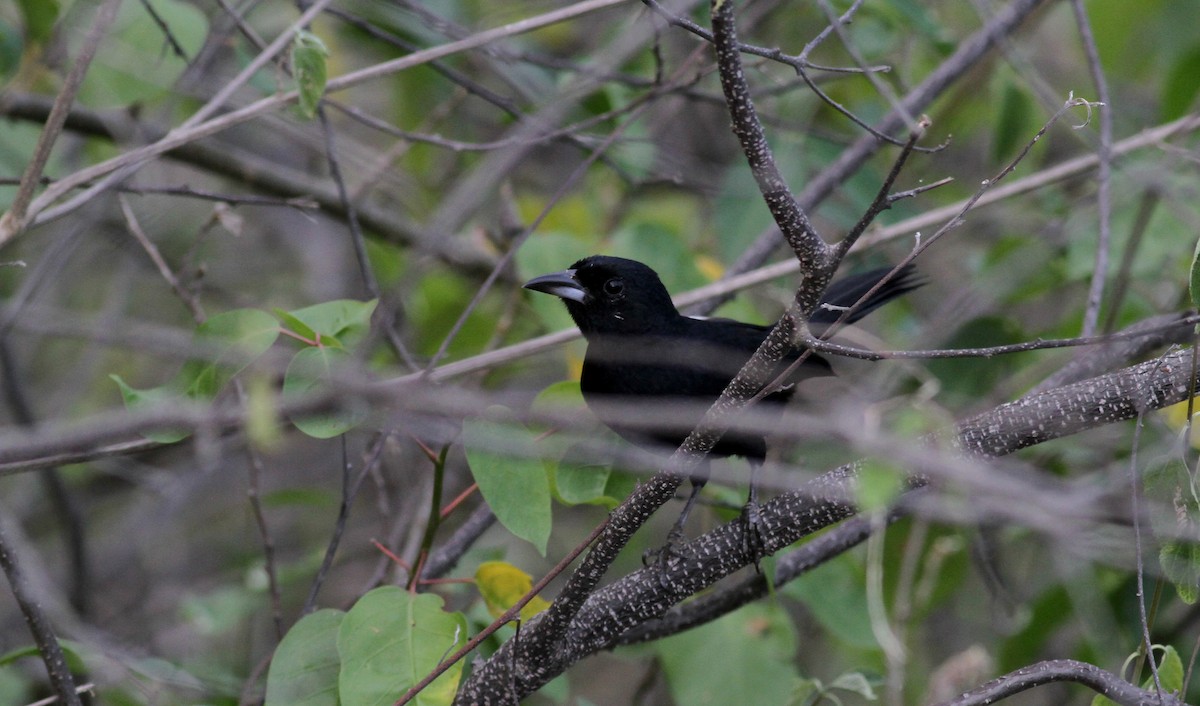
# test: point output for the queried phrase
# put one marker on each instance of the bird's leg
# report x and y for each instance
(752, 539)
(675, 536)
(676, 533)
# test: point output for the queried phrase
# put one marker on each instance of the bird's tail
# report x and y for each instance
(844, 292)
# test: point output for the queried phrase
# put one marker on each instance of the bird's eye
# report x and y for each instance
(614, 287)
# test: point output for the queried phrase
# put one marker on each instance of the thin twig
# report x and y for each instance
(217, 102)
(798, 62)
(254, 495)
(969, 52)
(881, 88)
(40, 211)
(509, 615)
(1091, 313)
(189, 299)
(39, 625)
(1135, 498)
(434, 517)
(824, 346)
(567, 185)
(894, 652)
(282, 41)
(169, 36)
(350, 485)
(884, 198)
(14, 221)
(359, 243)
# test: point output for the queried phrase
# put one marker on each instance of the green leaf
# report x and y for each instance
(1194, 280)
(836, 594)
(74, 652)
(304, 670)
(1169, 484)
(573, 483)
(557, 397)
(297, 326)
(1181, 564)
(220, 611)
(12, 46)
(1170, 673)
(878, 484)
(503, 459)
(854, 682)
(578, 483)
(134, 64)
(390, 640)
(758, 645)
(308, 66)
(18, 653)
(141, 399)
(39, 16)
(663, 249)
(1170, 670)
(340, 322)
(1181, 86)
(244, 334)
(312, 369)
(1012, 123)
(805, 692)
(262, 417)
(16, 686)
(229, 342)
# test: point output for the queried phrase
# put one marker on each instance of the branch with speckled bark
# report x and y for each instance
(646, 600)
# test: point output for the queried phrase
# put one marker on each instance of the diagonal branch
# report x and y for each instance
(14, 220)
(39, 209)
(1062, 670)
(811, 251)
(969, 53)
(646, 595)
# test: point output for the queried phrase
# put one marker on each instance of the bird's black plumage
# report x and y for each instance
(640, 348)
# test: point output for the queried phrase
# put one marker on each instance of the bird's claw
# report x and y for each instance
(753, 543)
(669, 554)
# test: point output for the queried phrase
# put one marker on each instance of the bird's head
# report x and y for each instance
(610, 295)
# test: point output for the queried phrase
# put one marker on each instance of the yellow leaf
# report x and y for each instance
(574, 365)
(262, 422)
(710, 267)
(1176, 417)
(501, 584)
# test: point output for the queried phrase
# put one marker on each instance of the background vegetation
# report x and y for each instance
(250, 346)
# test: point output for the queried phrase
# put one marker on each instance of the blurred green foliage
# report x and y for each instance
(181, 569)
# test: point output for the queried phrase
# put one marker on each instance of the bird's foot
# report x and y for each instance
(672, 552)
(669, 552)
(753, 542)
(668, 555)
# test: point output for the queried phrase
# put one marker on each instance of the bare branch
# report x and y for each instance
(1103, 174)
(1060, 670)
(14, 220)
(39, 625)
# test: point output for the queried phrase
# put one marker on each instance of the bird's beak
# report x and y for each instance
(560, 284)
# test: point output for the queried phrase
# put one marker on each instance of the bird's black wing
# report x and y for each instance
(685, 369)
(745, 338)
(845, 292)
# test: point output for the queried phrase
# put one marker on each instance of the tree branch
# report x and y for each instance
(646, 595)
(1060, 670)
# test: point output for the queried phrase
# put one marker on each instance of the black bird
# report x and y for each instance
(641, 349)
